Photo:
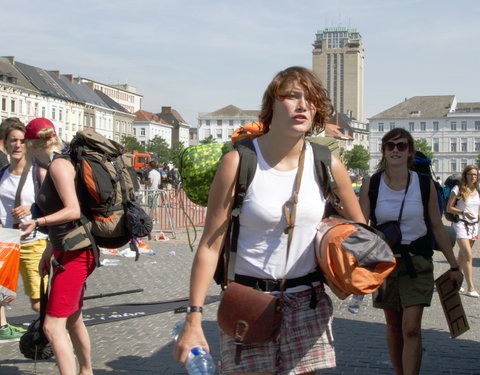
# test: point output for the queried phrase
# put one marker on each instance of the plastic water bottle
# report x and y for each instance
(354, 303)
(199, 362)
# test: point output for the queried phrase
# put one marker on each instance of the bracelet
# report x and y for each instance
(191, 309)
(454, 268)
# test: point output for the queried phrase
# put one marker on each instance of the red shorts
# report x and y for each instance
(66, 290)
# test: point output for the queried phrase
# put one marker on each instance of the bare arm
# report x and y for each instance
(348, 200)
(220, 204)
(364, 199)
(440, 235)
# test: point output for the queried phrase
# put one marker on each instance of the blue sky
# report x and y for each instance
(201, 55)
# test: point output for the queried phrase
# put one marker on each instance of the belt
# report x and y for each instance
(272, 285)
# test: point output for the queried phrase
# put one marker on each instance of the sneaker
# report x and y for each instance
(9, 334)
(473, 294)
(17, 329)
(462, 289)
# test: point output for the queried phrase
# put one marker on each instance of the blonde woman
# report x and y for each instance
(464, 201)
(58, 201)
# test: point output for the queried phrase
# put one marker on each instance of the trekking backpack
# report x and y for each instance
(423, 164)
(110, 216)
(451, 181)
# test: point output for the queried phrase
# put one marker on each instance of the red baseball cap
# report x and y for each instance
(33, 128)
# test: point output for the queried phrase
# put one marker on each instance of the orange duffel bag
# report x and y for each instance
(353, 257)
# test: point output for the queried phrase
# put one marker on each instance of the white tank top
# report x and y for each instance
(262, 244)
(8, 190)
(472, 204)
(388, 207)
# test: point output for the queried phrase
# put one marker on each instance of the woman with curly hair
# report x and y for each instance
(295, 104)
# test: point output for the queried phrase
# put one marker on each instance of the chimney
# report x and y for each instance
(166, 110)
(56, 72)
(11, 59)
(69, 77)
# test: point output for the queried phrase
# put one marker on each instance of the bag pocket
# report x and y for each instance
(391, 232)
(76, 239)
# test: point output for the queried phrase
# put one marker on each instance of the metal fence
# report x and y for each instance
(171, 210)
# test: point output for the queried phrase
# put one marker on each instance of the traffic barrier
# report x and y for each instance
(170, 210)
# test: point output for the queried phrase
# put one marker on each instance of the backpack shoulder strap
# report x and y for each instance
(322, 157)
(424, 181)
(373, 187)
(2, 171)
(247, 169)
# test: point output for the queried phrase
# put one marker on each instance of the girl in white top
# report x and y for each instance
(464, 201)
(294, 105)
(403, 296)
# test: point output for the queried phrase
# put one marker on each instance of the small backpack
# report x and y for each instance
(451, 181)
(106, 192)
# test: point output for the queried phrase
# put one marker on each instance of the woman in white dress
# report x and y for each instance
(464, 202)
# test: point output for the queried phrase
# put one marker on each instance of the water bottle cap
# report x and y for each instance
(195, 351)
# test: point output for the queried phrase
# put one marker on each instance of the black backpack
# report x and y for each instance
(248, 166)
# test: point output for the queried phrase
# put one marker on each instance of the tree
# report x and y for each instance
(159, 146)
(132, 144)
(207, 140)
(422, 146)
(175, 152)
(357, 158)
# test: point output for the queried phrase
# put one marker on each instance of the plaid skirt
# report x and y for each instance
(305, 342)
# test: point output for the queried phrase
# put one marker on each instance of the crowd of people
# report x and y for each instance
(271, 246)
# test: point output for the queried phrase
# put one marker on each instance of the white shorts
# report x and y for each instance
(465, 230)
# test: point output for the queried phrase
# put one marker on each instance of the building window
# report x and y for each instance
(380, 127)
(53, 113)
(207, 122)
(392, 125)
(142, 132)
(477, 125)
(230, 132)
(453, 165)
(43, 112)
(464, 127)
(477, 144)
(463, 164)
(12, 106)
(463, 145)
(436, 145)
(219, 133)
(453, 145)
(219, 122)
(423, 126)
(411, 126)
(4, 104)
(230, 122)
(435, 126)
(134, 131)
(453, 126)
(59, 115)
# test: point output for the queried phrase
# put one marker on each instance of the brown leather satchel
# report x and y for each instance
(249, 315)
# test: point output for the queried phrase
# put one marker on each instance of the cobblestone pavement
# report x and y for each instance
(142, 346)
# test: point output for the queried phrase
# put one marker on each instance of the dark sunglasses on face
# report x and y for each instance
(401, 146)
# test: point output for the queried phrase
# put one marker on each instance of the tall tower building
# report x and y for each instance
(339, 62)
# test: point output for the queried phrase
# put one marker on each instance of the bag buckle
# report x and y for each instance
(241, 329)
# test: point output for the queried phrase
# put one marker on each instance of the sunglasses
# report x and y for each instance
(401, 146)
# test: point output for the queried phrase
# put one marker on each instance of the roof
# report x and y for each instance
(110, 102)
(468, 107)
(419, 107)
(42, 80)
(7, 67)
(231, 111)
(171, 116)
(332, 130)
(142, 115)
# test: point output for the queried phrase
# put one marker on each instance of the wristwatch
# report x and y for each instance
(191, 309)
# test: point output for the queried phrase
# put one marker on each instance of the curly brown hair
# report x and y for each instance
(464, 189)
(316, 92)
